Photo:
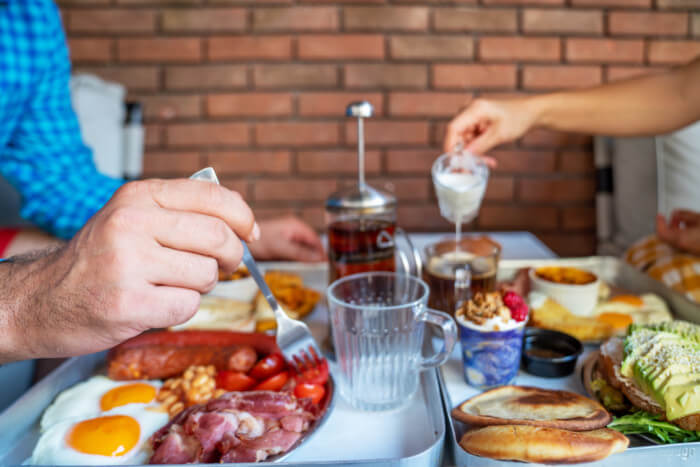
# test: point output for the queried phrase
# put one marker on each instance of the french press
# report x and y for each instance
(361, 221)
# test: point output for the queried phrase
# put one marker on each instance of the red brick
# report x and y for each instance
(540, 49)
(383, 132)
(576, 162)
(238, 185)
(475, 19)
(500, 189)
(541, 137)
(557, 77)
(121, 21)
(268, 213)
(165, 107)
(296, 134)
(429, 104)
(578, 217)
(337, 47)
(249, 47)
(523, 2)
(565, 21)
(134, 78)
(249, 104)
(387, 18)
(386, 76)
(672, 52)
(648, 23)
(63, 3)
(422, 217)
(337, 162)
(90, 50)
(570, 245)
(207, 134)
(296, 18)
(604, 50)
(614, 3)
(162, 49)
(315, 217)
(695, 24)
(204, 19)
(404, 188)
(431, 47)
(523, 161)
(294, 75)
(474, 76)
(509, 216)
(159, 164)
(333, 104)
(680, 4)
(623, 72)
(206, 77)
(574, 189)
(293, 190)
(250, 162)
(153, 135)
(411, 160)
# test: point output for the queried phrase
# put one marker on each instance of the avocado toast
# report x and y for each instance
(657, 367)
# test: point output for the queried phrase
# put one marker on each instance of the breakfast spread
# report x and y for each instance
(226, 397)
(537, 425)
(491, 333)
(655, 372)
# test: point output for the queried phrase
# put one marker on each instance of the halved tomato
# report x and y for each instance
(234, 381)
(273, 383)
(315, 392)
(267, 366)
(315, 375)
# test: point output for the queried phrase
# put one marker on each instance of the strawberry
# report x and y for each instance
(517, 306)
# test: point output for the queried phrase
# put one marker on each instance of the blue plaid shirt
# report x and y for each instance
(41, 151)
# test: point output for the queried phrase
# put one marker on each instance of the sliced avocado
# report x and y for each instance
(683, 399)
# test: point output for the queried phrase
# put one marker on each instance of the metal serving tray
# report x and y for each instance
(640, 453)
(413, 435)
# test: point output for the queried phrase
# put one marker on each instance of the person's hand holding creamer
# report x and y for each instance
(140, 262)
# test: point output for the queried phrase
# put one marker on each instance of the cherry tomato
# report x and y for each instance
(315, 392)
(316, 375)
(273, 383)
(234, 381)
(268, 366)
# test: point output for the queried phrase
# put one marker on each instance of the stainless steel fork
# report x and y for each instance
(293, 337)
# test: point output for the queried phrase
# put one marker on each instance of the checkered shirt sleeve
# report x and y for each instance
(46, 159)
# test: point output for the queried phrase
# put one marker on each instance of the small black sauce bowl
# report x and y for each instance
(555, 341)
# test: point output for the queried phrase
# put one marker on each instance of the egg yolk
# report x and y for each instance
(628, 299)
(127, 394)
(616, 320)
(113, 435)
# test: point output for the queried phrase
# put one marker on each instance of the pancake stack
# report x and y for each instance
(537, 425)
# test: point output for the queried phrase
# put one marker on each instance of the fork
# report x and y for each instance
(293, 337)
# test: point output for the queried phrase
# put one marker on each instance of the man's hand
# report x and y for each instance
(287, 238)
(485, 124)
(682, 231)
(141, 262)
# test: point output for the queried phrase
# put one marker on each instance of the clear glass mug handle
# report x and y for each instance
(449, 336)
(410, 260)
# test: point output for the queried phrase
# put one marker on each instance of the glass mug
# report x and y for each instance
(476, 256)
(377, 320)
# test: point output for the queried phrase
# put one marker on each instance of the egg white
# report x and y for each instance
(53, 449)
(83, 400)
(652, 310)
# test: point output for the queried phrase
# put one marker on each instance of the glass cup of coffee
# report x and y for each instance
(449, 263)
(378, 319)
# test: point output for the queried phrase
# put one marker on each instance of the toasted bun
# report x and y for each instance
(521, 405)
(543, 445)
(609, 362)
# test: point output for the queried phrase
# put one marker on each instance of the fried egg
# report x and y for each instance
(118, 436)
(96, 395)
(643, 309)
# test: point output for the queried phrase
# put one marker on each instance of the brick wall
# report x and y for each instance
(257, 89)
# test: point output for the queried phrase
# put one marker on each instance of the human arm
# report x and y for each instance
(45, 158)
(141, 262)
(647, 105)
(682, 230)
(25, 240)
(287, 238)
